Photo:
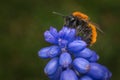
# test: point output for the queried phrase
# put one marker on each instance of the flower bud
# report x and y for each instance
(68, 75)
(51, 67)
(94, 57)
(62, 43)
(51, 36)
(85, 53)
(96, 71)
(56, 75)
(49, 52)
(81, 65)
(62, 32)
(54, 32)
(70, 34)
(76, 46)
(65, 60)
(108, 74)
(67, 33)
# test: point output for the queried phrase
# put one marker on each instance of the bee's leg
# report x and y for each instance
(78, 30)
(87, 33)
(87, 38)
(74, 24)
(88, 41)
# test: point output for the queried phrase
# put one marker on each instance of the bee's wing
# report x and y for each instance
(97, 27)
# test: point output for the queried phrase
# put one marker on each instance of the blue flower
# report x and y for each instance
(67, 33)
(85, 53)
(94, 57)
(76, 46)
(68, 75)
(98, 71)
(51, 67)
(81, 65)
(88, 54)
(64, 40)
(49, 52)
(56, 75)
(65, 60)
(51, 36)
(71, 59)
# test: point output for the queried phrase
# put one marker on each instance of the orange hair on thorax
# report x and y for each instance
(80, 15)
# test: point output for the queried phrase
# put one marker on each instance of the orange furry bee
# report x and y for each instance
(83, 26)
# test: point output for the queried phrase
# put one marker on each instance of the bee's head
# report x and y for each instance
(69, 20)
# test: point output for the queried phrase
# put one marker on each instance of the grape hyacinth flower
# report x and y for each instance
(71, 59)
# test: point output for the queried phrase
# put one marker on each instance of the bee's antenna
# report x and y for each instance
(58, 14)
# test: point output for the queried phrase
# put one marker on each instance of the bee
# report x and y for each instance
(84, 27)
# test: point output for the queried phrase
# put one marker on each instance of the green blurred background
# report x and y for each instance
(23, 22)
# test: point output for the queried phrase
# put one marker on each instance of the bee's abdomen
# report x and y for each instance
(93, 34)
(88, 33)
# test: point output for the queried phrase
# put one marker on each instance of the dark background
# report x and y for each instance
(22, 23)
